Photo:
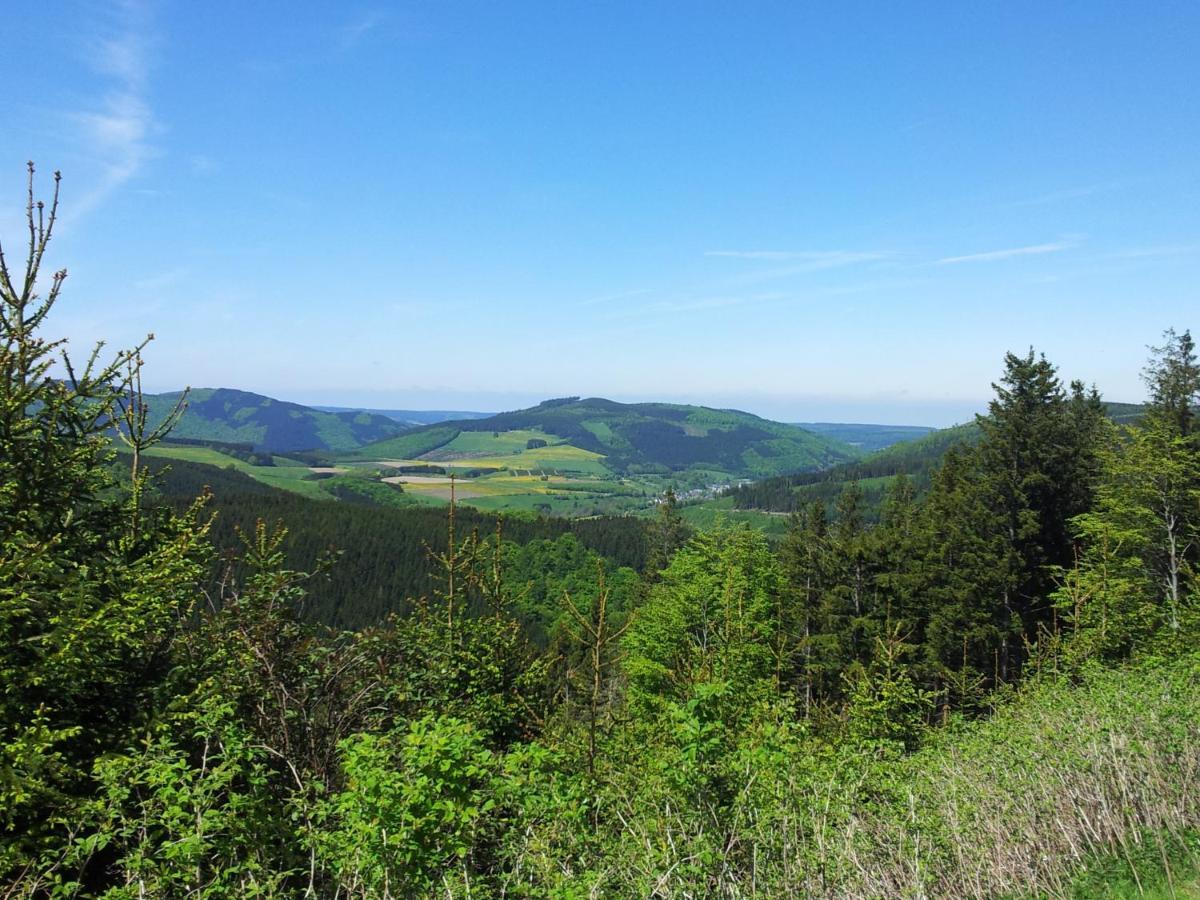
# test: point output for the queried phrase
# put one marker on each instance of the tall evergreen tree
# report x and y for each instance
(804, 557)
(1173, 377)
(667, 535)
(1038, 457)
(962, 552)
(93, 589)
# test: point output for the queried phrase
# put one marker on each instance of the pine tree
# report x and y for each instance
(710, 619)
(667, 535)
(804, 557)
(1173, 377)
(93, 589)
(1038, 455)
(962, 552)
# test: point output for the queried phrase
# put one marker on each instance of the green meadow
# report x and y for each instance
(286, 474)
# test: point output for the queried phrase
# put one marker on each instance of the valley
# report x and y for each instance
(569, 457)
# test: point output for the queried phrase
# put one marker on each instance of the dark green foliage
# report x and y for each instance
(383, 551)
(666, 535)
(539, 572)
(366, 492)
(1124, 413)
(223, 415)
(917, 459)
(1173, 377)
(92, 586)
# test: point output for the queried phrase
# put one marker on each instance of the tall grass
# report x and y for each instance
(1065, 779)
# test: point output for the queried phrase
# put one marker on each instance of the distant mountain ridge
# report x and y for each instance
(645, 438)
(868, 437)
(269, 425)
(411, 417)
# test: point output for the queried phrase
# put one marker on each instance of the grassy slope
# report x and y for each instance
(1080, 787)
(410, 445)
(1066, 776)
(290, 476)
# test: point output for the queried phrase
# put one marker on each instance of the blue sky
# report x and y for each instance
(812, 211)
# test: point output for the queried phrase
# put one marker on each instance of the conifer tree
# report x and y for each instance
(93, 592)
(1038, 456)
(804, 558)
(667, 535)
(1173, 377)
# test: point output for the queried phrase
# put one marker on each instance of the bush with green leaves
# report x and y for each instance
(410, 814)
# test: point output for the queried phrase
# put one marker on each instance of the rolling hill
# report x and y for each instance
(597, 436)
(917, 458)
(410, 417)
(867, 438)
(274, 426)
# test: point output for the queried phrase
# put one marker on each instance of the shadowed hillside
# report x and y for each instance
(232, 416)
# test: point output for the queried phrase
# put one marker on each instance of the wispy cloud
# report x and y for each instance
(355, 30)
(1009, 253)
(161, 280)
(116, 128)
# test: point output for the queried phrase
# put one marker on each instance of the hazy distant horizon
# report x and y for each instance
(859, 410)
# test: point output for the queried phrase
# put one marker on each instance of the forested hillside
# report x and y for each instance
(917, 458)
(268, 425)
(994, 691)
(385, 555)
(646, 438)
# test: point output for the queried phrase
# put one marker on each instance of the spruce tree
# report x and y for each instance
(804, 557)
(1173, 377)
(93, 589)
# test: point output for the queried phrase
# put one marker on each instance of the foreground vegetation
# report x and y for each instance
(993, 691)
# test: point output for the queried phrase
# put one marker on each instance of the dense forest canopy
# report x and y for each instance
(993, 690)
(269, 425)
